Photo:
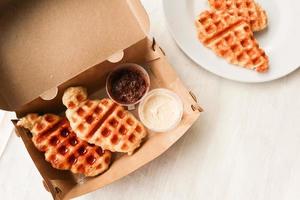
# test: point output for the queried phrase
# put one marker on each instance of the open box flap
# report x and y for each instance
(45, 43)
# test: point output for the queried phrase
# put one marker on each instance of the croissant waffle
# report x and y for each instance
(231, 37)
(103, 122)
(53, 135)
(252, 12)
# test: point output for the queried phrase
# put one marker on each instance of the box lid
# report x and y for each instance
(45, 43)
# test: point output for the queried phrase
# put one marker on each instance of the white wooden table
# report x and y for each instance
(245, 146)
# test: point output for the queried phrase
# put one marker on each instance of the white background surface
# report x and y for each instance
(246, 145)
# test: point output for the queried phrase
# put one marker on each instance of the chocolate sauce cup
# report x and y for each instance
(127, 81)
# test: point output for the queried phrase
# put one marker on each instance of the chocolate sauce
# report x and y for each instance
(82, 150)
(128, 85)
(100, 151)
(63, 150)
(91, 159)
(65, 132)
(54, 141)
(72, 159)
(73, 141)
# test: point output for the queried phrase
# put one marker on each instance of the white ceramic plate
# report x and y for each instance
(281, 40)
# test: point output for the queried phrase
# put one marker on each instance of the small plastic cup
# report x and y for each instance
(170, 94)
(130, 67)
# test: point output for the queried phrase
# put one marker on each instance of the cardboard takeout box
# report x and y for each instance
(48, 46)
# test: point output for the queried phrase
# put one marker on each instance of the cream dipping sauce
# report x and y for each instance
(161, 111)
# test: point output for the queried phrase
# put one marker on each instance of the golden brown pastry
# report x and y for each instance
(102, 122)
(231, 37)
(63, 149)
(251, 11)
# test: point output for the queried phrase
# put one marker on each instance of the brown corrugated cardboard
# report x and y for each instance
(41, 41)
(85, 65)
